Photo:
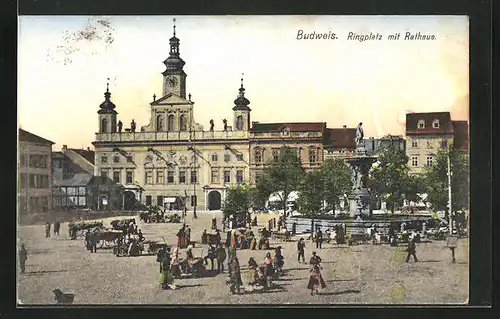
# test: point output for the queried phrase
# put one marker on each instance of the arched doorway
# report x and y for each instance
(129, 200)
(214, 200)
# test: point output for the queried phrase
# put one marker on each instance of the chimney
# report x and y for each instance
(65, 147)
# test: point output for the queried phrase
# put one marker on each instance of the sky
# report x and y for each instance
(63, 70)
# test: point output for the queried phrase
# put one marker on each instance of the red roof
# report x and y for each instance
(294, 127)
(87, 154)
(25, 136)
(444, 119)
(461, 136)
(340, 138)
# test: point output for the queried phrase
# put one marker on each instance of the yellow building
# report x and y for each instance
(175, 158)
(426, 134)
(35, 173)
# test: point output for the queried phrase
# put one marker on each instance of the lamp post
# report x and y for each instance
(449, 195)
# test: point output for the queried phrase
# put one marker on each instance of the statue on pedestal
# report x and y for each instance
(225, 124)
(211, 125)
(359, 135)
(132, 126)
(120, 126)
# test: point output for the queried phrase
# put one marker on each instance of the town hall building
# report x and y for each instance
(174, 161)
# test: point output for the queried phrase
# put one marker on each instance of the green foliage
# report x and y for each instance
(389, 180)
(311, 196)
(336, 176)
(436, 180)
(238, 200)
(282, 174)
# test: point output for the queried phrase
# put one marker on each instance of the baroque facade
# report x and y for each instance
(173, 160)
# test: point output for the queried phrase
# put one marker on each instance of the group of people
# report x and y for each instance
(57, 228)
(130, 245)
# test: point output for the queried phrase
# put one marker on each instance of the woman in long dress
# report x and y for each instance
(166, 278)
(253, 272)
(268, 270)
(174, 264)
(315, 280)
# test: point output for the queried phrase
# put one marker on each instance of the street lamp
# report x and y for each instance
(449, 194)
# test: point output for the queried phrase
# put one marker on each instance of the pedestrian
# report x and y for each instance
(301, 245)
(160, 255)
(93, 242)
(319, 238)
(47, 230)
(234, 272)
(188, 236)
(217, 238)
(315, 259)
(411, 249)
(174, 264)
(214, 223)
(23, 256)
(166, 278)
(315, 280)
(57, 226)
(221, 257)
(268, 270)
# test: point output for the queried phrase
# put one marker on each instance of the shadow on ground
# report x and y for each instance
(336, 293)
(32, 273)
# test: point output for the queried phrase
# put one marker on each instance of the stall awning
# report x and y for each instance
(169, 200)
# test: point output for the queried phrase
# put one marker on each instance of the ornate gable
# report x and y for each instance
(171, 99)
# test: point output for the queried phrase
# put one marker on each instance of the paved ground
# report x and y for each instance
(359, 274)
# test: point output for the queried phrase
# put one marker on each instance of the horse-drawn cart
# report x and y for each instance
(107, 238)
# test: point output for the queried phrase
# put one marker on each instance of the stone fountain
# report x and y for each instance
(359, 197)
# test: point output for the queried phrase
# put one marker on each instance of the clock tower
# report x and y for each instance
(174, 77)
(241, 111)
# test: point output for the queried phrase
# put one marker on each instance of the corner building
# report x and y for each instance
(174, 157)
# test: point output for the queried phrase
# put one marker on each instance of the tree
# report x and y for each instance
(388, 179)
(281, 176)
(311, 193)
(336, 176)
(436, 180)
(415, 185)
(238, 200)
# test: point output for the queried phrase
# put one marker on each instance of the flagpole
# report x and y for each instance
(449, 194)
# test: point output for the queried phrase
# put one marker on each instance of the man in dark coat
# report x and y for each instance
(411, 249)
(57, 227)
(23, 256)
(47, 230)
(315, 259)
(220, 254)
(319, 238)
(301, 245)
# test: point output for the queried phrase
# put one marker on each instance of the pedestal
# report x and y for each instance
(359, 203)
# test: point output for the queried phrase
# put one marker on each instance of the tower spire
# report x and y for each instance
(242, 74)
(107, 86)
(174, 27)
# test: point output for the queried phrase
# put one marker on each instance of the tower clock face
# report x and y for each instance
(171, 81)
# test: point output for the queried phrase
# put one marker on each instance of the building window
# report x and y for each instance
(170, 122)
(194, 200)
(22, 180)
(159, 200)
(227, 157)
(421, 124)
(149, 177)
(239, 123)
(159, 123)
(286, 131)
(116, 159)
(312, 155)
(227, 176)
(215, 176)
(258, 175)
(444, 144)
(214, 158)
(429, 144)
(104, 125)
(435, 124)
(182, 177)
(160, 176)
(414, 161)
(239, 157)
(239, 176)
(22, 159)
(194, 177)
(116, 176)
(259, 155)
(429, 161)
(104, 159)
(148, 200)
(276, 154)
(183, 123)
(170, 177)
(414, 143)
(38, 161)
(104, 172)
(130, 177)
